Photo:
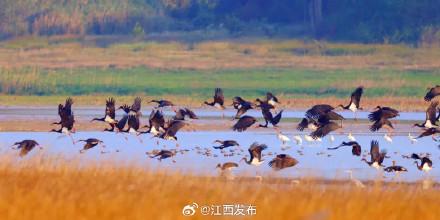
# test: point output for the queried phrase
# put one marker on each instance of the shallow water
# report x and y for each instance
(314, 161)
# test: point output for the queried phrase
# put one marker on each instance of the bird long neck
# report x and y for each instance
(418, 167)
(344, 107)
(98, 119)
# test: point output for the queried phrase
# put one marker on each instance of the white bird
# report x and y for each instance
(298, 139)
(283, 138)
(412, 138)
(355, 181)
(351, 137)
(388, 138)
(308, 138)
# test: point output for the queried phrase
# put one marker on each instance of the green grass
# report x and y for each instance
(249, 82)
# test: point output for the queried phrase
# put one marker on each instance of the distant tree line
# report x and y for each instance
(393, 21)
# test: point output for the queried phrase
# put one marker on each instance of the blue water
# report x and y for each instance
(314, 161)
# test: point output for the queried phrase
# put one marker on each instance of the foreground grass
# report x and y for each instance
(46, 188)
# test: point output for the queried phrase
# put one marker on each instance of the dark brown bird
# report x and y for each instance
(219, 99)
(237, 102)
(425, 165)
(355, 100)
(164, 154)
(25, 146)
(380, 118)
(156, 122)
(430, 119)
(429, 132)
(324, 129)
(395, 168)
(172, 129)
(110, 114)
(182, 112)
(307, 123)
(271, 99)
(67, 118)
(376, 156)
(433, 92)
(318, 110)
(269, 118)
(90, 143)
(282, 161)
(242, 108)
(356, 147)
(244, 123)
(162, 103)
(225, 144)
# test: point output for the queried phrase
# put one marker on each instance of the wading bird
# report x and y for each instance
(225, 144)
(356, 147)
(381, 117)
(425, 165)
(431, 119)
(355, 181)
(90, 143)
(282, 161)
(433, 92)
(110, 115)
(283, 138)
(355, 100)
(25, 146)
(244, 123)
(228, 166)
(376, 156)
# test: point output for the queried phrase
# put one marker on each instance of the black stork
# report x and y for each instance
(225, 144)
(244, 123)
(25, 146)
(307, 123)
(67, 118)
(356, 147)
(162, 103)
(110, 114)
(425, 165)
(271, 99)
(164, 154)
(355, 100)
(255, 154)
(395, 168)
(381, 117)
(429, 132)
(219, 99)
(376, 156)
(171, 130)
(242, 106)
(432, 93)
(268, 117)
(430, 119)
(156, 123)
(181, 113)
(90, 143)
(282, 161)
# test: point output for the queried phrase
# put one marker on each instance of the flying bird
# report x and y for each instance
(255, 154)
(225, 144)
(282, 161)
(381, 117)
(356, 147)
(244, 123)
(90, 143)
(433, 92)
(431, 119)
(425, 165)
(376, 156)
(218, 101)
(25, 146)
(355, 100)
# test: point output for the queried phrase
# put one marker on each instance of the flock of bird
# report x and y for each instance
(320, 119)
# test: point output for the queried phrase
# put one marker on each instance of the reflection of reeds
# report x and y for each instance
(45, 188)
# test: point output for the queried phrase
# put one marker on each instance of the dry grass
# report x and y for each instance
(44, 53)
(44, 188)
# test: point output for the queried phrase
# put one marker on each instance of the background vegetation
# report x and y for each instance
(390, 21)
